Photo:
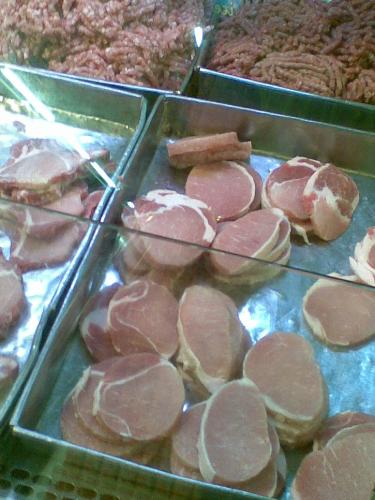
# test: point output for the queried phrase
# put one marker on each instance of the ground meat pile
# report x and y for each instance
(146, 42)
(309, 45)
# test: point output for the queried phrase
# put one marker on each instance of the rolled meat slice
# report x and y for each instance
(363, 262)
(140, 398)
(13, 300)
(191, 151)
(215, 183)
(234, 444)
(340, 314)
(211, 337)
(142, 317)
(173, 215)
(330, 198)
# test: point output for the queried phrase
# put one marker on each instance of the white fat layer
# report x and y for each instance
(168, 199)
(302, 231)
(363, 273)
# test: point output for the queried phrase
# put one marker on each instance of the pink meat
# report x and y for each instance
(211, 336)
(8, 371)
(93, 324)
(258, 187)
(140, 398)
(180, 469)
(340, 314)
(142, 317)
(337, 422)
(191, 151)
(330, 198)
(253, 235)
(185, 438)
(34, 253)
(356, 429)
(343, 471)
(363, 262)
(173, 215)
(91, 203)
(285, 185)
(234, 445)
(215, 183)
(12, 295)
(282, 366)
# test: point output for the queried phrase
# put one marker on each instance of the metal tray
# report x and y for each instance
(271, 306)
(44, 105)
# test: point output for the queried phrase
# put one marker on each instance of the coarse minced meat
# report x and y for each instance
(142, 42)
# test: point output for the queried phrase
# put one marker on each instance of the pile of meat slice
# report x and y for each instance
(317, 198)
(342, 465)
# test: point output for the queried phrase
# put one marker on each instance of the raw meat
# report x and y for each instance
(91, 203)
(234, 445)
(337, 422)
(282, 366)
(142, 317)
(330, 198)
(363, 262)
(8, 371)
(211, 337)
(197, 150)
(215, 185)
(340, 314)
(180, 469)
(343, 471)
(94, 326)
(253, 235)
(34, 253)
(258, 187)
(356, 429)
(12, 295)
(173, 215)
(140, 398)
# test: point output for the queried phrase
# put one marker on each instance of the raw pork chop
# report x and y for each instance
(12, 295)
(140, 397)
(340, 314)
(167, 213)
(215, 185)
(8, 371)
(91, 203)
(211, 337)
(343, 471)
(142, 317)
(363, 262)
(337, 422)
(94, 326)
(234, 444)
(191, 151)
(253, 235)
(282, 366)
(330, 198)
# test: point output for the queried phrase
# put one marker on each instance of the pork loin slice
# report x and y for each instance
(282, 366)
(177, 216)
(234, 444)
(140, 397)
(330, 198)
(12, 295)
(91, 203)
(349, 431)
(337, 422)
(180, 469)
(343, 471)
(142, 317)
(93, 324)
(253, 235)
(363, 262)
(191, 151)
(215, 183)
(8, 372)
(211, 336)
(34, 253)
(340, 314)
(285, 185)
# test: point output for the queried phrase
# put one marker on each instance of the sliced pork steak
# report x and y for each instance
(340, 314)
(142, 317)
(8, 372)
(343, 471)
(12, 294)
(234, 444)
(94, 324)
(330, 198)
(140, 398)
(215, 185)
(177, 216)
(211, 337)
(363, 262)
